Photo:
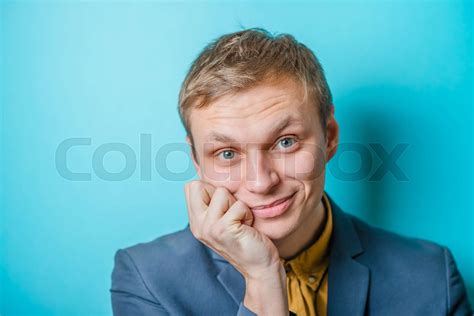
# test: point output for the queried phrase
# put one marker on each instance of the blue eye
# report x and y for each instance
(227, 154)
(286, 142)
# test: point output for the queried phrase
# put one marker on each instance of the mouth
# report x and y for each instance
(274, 209)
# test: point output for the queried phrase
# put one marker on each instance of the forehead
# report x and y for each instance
(256, 110)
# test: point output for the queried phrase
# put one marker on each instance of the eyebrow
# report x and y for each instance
(276, 129)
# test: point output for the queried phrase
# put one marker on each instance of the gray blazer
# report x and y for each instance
(371, 272)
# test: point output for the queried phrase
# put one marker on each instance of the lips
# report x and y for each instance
(271, 204)
(273, 209)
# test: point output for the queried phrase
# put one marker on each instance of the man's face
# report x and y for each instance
(265, 145)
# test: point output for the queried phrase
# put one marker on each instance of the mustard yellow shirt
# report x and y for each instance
(306, 274)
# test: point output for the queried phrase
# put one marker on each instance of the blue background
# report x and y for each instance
(400, 72)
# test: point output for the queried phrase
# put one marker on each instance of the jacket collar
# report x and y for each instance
(230, 278)
(348, 279)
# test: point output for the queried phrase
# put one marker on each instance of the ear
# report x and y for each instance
(332, 135)
(193, 152)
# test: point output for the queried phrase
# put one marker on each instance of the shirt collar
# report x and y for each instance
(312, 261)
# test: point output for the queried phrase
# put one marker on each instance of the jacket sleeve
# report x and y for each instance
(130, 295)
(457, 301)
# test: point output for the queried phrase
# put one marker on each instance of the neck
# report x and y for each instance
(304, 235)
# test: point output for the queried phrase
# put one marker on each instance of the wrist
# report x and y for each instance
(266, 292)
(266, 274)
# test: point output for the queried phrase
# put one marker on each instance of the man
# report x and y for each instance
(263, 236)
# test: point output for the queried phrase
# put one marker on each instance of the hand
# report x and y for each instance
(223, 223)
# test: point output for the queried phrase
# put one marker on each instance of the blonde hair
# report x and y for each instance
(236, 61)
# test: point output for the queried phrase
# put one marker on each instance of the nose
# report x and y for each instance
(260, 175)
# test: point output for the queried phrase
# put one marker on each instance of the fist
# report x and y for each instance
(224, 224)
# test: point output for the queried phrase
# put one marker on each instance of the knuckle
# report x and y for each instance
(194, 184)
(223, 192)
(220, 191)
(238, 204)
(242, 204)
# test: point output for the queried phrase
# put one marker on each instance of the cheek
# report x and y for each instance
(227, 177)
(306, 164)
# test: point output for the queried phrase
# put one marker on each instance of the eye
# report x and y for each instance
(286, 142)
(227, 154)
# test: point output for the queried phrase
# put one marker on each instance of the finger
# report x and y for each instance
(196, 199)
(221, 201)
(209, 190)
(239, 212)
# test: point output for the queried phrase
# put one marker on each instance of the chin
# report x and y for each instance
(275, 229)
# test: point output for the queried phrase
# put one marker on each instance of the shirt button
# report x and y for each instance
(312, 279)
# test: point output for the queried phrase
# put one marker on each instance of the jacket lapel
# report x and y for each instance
(348, 281)
(231, 279)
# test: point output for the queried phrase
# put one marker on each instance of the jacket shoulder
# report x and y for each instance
(381, 243)
(173, 274)
(168, 252)
(416, 268)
